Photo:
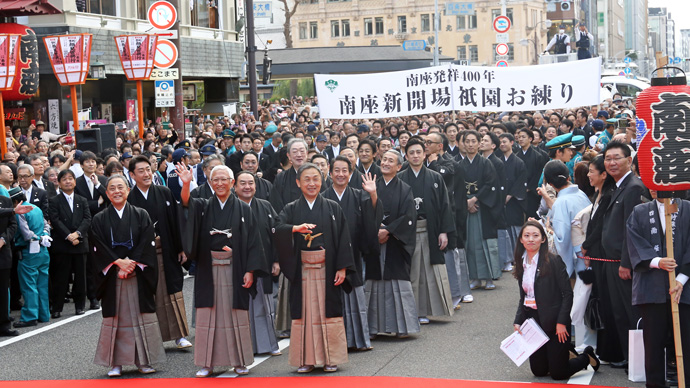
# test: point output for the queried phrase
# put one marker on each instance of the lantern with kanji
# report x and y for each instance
(27, 67)
(663, 112)
(9, 59)
(136, 56)
(70, 56)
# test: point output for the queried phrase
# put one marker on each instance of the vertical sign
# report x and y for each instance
(54, 116)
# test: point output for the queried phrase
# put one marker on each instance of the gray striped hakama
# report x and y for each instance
(261, 320)
(482, 254)
(283, 319)
(222, 333)
(170, 310)
(355, 319)
(391, 305)
(429, 282)
(130, 337)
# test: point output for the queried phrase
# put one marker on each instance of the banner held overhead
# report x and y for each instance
(453, 87)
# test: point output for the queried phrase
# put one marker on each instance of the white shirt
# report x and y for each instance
(70, 200)
(39, 184)
(620, 181)
(682, 278)
(528, 277)
(336, 150)
(27, 193)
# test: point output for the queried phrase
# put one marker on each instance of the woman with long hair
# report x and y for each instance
(608, 344)
(546, 297)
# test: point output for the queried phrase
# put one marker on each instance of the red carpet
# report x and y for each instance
(274, 382)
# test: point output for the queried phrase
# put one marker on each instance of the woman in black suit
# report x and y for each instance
(546, 296)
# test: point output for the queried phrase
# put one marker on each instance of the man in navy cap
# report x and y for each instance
(174, 183)
(321, 142)
(186, 144)
(582, 41)
(560, 42)
(204, 151)
(362, 131)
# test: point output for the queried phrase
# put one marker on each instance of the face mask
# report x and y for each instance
(561, 31)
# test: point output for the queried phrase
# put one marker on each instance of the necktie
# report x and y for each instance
(90, 184)
(69, 201)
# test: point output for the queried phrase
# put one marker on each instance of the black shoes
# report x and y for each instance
(56, 314)
(593, 359)
(21, 324)
(79, 312)
(9, 333)
(94, 305)
(619, 365)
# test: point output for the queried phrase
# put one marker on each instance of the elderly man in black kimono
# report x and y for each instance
(483, 207)
(261, 312)
(162, 209)
(205, 190)
(651, 292)
(221, 238)
(363, 212)
(122, 240)
(312, 239)
(434, 222)
(392, 307)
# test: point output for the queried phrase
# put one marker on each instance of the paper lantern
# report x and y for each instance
(27, 67)
(9, 58)
(136, 55)
(70, 56)
(664, 152)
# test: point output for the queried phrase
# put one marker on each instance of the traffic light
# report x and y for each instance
(267, 68)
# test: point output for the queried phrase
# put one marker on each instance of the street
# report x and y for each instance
(465, 346)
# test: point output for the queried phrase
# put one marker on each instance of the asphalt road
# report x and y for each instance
(465, 346)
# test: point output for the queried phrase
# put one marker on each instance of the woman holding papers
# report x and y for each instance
(546, 297)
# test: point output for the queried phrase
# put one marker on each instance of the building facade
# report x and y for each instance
(334, 23)
(209, 52)
(685, 48)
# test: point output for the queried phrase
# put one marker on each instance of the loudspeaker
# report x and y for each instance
(565, 6)
(89, 140)
(107, 136)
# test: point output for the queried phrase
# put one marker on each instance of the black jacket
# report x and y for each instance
(39, 198)
(8, 226)
(64, 222)
(623, 201)
(82, 188)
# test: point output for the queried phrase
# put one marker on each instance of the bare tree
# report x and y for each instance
(289, 12)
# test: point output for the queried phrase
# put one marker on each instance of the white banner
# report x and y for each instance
(452, 87)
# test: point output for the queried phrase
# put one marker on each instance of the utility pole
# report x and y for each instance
(436, 25)
(177, 111)
(251, 58)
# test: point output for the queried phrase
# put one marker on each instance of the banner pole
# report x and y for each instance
(670, 209)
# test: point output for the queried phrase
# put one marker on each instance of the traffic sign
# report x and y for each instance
(627, 70)
(501, 64)
(165, 89)
(627, 60)
(502, 49)
(262, 9)
(621, 73)
(166, 54)
(502, 38)
(159, 74)
(166, 34)
(677, 60)
(501, 24)
(165, 103)
(162, 15)
(414, 45)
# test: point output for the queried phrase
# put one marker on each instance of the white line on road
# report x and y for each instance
(583, 377)
(282, 345)
(46, 328)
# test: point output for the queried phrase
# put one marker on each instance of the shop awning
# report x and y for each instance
(26, 8)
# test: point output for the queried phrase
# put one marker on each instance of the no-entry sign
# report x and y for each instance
(501, 49)
(501, 24)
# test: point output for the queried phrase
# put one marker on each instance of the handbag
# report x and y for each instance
(592, 315)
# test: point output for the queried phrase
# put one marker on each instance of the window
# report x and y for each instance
(462, 52)
(460, 22)
(511, 53)
(426, 25)
(468, 22)
(368, 26)
(101, 7)
(402, 23)
(345, 27)
(335, 28)
(203, 14)
(379, 25)
(313, 30)
(497, 12)
(534, 17)
(474, 53)
(303, 30)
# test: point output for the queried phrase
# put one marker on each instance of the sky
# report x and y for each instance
(679, 10)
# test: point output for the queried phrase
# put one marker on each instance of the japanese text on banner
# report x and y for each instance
(451, 87)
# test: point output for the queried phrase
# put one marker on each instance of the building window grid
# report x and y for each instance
(345, 27)
(313, 30)
(425, 22)
(468, 22)
(497, 12)
(474, 53)
(335, 28)
(303, 30)
(402, 24)
(368, 26)
(378, 23)
(462, 53)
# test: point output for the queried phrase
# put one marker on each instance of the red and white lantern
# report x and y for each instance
(136, 55)
(9, 59)
(70, 56)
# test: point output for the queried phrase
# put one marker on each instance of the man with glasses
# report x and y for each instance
(627, 195)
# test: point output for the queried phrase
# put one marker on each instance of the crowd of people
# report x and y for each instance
(365, 228)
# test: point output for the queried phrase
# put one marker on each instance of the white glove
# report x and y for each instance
(46, 240)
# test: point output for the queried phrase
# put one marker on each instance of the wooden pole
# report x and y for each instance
(75, 110)
(661, 61)
(140, 108)
(670, 209)
(3, 136)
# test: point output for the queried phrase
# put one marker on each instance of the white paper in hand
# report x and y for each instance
(519, 347)
(34, 246)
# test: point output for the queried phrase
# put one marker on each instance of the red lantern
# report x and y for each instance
(9, 58)
(664, 152)
(27, 84)
(136, 56)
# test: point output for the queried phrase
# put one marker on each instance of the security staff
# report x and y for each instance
(560, 42)
(582, 41)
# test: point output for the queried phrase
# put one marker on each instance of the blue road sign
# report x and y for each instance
(627, 60)
(677, 60)
(414, 45)
(459, 9)
(627, 70)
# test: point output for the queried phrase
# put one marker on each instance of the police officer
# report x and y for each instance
(560, 42)
(582, 41)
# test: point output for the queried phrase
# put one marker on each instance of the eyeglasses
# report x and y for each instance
(613, 159)
(429, 142)
(24, 176)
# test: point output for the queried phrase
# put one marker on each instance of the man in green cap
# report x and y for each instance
(579, 144)
(229, 141)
